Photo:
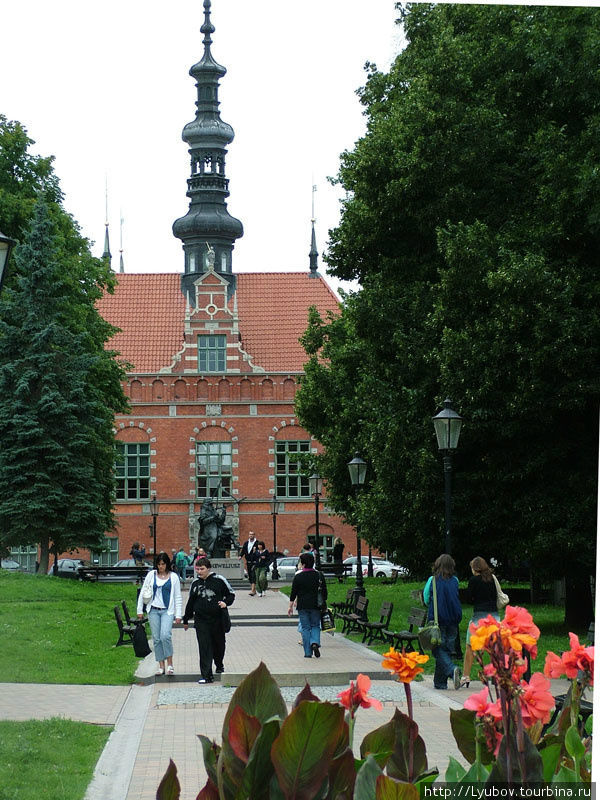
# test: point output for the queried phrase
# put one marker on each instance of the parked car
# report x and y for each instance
(67, 567)
(286, 567)
(381, 567)
(11, 566)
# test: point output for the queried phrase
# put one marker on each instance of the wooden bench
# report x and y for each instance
(343, 606)
(374, 630)
(405, 639)
(359, 615)
(95, 573)
(129, 620)
(124, 630)
(336, 570)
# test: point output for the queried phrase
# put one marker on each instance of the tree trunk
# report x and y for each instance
(579, 609)
(44, 553)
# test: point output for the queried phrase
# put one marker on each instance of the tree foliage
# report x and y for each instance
(60, 387)
(472, 222)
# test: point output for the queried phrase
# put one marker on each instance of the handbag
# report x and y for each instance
(502, 599)
(320, 595)
(327, 621)
(226, 619)
(140, 642)
(430, 635)
(147, 593)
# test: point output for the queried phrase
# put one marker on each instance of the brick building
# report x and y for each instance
(215, 363)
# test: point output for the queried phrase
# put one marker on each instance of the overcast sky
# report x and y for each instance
(104, 87)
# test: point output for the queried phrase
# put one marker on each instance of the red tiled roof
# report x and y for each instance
(272, 307)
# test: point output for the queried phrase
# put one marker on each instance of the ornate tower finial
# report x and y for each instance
(313, 256)
(208, 225)
(106, 255)
(121, 264)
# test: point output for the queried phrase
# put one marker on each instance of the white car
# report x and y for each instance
(381, 567)
(286, 567)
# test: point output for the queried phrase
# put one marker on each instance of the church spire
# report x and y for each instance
(313, 256)
(106, 255)
(208, 231)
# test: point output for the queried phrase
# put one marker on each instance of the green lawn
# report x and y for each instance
(56, 630)
(52, 758)
(554, 635)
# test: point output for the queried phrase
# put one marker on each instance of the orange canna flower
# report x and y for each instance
(404, 665)
(523, 628)
(358, 695)
(536, 700)
(516, 631)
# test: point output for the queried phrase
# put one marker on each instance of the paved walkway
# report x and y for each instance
(158, 721)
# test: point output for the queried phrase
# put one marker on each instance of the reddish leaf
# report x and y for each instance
(462, 723)
(243, 730)
(342, 776)
(305, 694)
(210, 792)
(210, 751)
(302, 751)
(258, 694)
(169, 788)
(398, 765)
(388, 789)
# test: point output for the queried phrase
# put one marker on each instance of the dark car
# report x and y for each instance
(67, 567)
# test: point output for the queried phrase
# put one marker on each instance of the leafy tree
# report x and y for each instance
(472, 222)
(60, 390)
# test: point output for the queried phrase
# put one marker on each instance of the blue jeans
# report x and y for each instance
(444, 666)
(161, 624)
(310, 625)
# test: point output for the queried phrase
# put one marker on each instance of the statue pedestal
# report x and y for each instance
(228, 567)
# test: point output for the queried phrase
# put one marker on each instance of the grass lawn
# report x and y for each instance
(554, 635)
(52, 758)
(56, 630)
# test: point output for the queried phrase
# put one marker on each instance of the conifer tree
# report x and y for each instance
(60, 390)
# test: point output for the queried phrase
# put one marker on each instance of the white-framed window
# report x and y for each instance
(109, 555)
(26, 556)
(289, 482)
(213, 469)
(212, 352)
(132, 471)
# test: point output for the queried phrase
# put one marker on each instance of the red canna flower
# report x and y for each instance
(571, 662)
(480, 703)
(406, 666)
(358, 696)
(536, 700)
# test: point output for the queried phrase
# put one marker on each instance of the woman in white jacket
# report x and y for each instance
(163, 584)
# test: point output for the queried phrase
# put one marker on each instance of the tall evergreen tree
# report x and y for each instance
(60, 390)
(472, 221)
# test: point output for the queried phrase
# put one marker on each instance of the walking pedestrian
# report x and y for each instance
(209, 595)
(449, 615)
(338, 550)
(165, 606)
(263, 559)
(181, 562)
(248, 552)
(481, 591)
(306, 587)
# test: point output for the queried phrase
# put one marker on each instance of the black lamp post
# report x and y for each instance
(154, 511)
(370, 564)
(315, 487)
(447, 426)
(274, 511)
(6, 245)
(358, 471)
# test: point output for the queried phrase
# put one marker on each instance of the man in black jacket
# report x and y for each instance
(209, 595)
(249, 552)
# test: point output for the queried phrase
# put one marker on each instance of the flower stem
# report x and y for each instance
(411, 733)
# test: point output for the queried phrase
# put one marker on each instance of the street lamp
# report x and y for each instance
(358, 471)
(275, 506)
(315, 487)
(6, 245)
(154, 511)
(447, 426)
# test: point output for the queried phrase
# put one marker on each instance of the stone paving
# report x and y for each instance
(155, 721)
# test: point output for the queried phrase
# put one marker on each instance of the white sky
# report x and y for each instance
(105, 88)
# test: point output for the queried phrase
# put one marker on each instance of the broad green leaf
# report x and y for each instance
(302, 751)
(589, 724)
(455, 771)
(243, 730)
(565, 775)
(533, 762)
(387, 788)
(398, 765)
(259, 769)
(169, 788)
(573, 743)
(379, 743)
(427, 778)
(258, 694)
(550, 758)
(342, 776)
(210, 751)
(464, 730)
(366, 780)
(477, 773)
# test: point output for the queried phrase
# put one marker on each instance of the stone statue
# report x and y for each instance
(210, 257)
(215, 537)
